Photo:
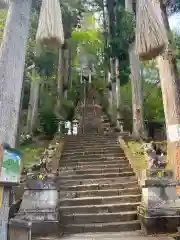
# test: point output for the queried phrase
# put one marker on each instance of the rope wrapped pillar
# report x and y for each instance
(170, 86)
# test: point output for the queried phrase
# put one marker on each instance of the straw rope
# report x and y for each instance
(50, 29)
(150, 38)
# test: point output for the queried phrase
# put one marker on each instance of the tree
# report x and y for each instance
(71, 14)
(12, 60)
(172, 6)
(120, 35)
(32, 115)
(136, 80)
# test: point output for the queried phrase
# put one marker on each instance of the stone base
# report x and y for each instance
(157, 224)
(45, 228)
(39, 206)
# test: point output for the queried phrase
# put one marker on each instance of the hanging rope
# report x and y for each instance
(150, 38)
(50, 29)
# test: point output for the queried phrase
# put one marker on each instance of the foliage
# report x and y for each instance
(31, 153)
(36, 4)
(89, 42)
(48, 122)
(150, 71)
(121, 33)
(31, 44)
(46, 64)
(173, 6)
(176, 42)
(71, 14)
(69, 104)
(152, 101)
(3, 15)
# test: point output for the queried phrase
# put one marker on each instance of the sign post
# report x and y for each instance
(10, 172)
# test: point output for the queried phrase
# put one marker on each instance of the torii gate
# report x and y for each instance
(12, 60)
(170, 84)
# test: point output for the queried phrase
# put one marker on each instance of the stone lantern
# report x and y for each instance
(75, 126)
(61, 125)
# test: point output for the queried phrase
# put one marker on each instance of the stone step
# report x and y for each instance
(92, 150)
(129, 235)
(93, 162)
(104, 143)
(93, 139)
(103, 208)
(64, 176)
(92, 136)
(96, 180)
(87, 218)
(93, 159)
(94, 145)
(99, 200)
(86, 170)
(97, 186)
(112, 145)
(103, 227)
(99, 193)
(93, 167)
(92, 155)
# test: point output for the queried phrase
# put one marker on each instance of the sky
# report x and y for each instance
(174, 22)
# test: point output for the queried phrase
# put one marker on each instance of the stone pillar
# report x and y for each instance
(160, 205)
(19, 229)
(39, 205)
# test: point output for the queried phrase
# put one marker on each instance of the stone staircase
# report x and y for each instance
(98, 190)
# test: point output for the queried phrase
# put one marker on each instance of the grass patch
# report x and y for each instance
(139, 158)
(31, 153)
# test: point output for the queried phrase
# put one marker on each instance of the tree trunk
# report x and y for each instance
(33, 103)
(69, 66)
(170, 86)
(110, 100)
(114, 97)
(106, 32)
(118, 96)
(20, 118)
(138, 120)
(66, 70)
(136, 83)
(12, 59)
(112, 34)
(60, 82)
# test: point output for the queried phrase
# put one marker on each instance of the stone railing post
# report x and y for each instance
(159, 210)
(39, 205)
(19, 229)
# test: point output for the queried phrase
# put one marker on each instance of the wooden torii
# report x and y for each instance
(12, 61)
(170, 86)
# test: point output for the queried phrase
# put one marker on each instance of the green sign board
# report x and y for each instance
(11, 167)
